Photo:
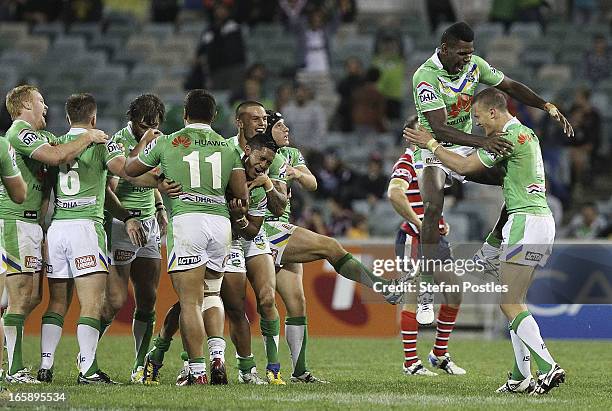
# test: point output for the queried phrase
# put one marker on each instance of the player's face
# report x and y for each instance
(484, 117)
(141, 127)
(39, 110)
(252, 121)
(280, 133)
(259, 162)
(457, 55)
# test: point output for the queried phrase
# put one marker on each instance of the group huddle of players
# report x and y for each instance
(228, 221)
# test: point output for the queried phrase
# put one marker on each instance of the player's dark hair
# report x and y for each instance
(262, 140)
(80, 108)
(200, 105)
(146, 108)
(246, 104)
(460, 31)
(492, 98)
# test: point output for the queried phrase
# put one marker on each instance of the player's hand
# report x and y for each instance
(293, 173)
(170, 188)
(150, 135)
(497, 144)
(445, 230)
(554, 112)
(419, 137)
(238, 208)
(135, 231)
(162, 221)
(260, 181)
(98, 136)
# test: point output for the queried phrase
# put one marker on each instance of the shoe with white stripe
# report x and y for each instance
(550, 380)
(22, 377)
(517, 386)
(418, 369)
(445, 363)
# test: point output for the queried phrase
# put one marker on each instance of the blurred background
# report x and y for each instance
(340, 71)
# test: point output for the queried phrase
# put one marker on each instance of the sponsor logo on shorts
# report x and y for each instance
(287, 226)
(432, 160)
(31, 262)
(30, 214)
(49, 268)
(259, 242)
(535, 188)
(84, 262)
(426, 92)
(181, 141)
(531, 256)
(28, 137)
(123, 255)
(192, 259)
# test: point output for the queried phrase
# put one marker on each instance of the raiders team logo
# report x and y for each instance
(259, 242)
(84, 262)
(123, 255)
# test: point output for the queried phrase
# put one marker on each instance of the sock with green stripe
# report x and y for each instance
(104, 326)
(197, 366)
(351, 268)
(88, 333)
(51, 332)
(270, 330)
(296, 332)
(216, 348)
(522, 359)
(13, 332)
(142, 328)
(526, 328)
(160, 347)
(246, 364)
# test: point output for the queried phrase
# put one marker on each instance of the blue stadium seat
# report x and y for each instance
(50, 30)
(87, 30)
(160, 31)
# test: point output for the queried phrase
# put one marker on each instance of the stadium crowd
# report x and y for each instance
(341, 80)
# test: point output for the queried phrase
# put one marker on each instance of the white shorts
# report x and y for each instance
(76, 247)
(429, 160)
(197, 239)
(278, 235)
(528, 239)
(124, 252)
(242, 249)
(22, 246)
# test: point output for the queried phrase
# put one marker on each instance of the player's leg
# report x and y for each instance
(60, 296)
(2, 278)
(490, 251)
(214, 322)
(23, 243)
(144, 274)
(431, 183)
(115, 294)
(161, 344)
(262, 276)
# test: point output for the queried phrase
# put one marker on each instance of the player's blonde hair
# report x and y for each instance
(16, 98)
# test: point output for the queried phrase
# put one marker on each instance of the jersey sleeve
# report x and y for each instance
(237, 161)
(298, 159)
(278, 168)
(488, 75)
(112, 150)
(426, 91)
(259, 205)
(402, 170)
(8, 162)
(489, 159)
(27, 142)
(151, 155)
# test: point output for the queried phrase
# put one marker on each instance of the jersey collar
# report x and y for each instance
(436, 60)
(75, 131)
(23, 121)
(511, 122)
(200, 126)
(129, 128)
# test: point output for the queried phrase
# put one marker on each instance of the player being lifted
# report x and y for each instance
(15, 187)
(134, 234)
(23, 234)
(199, 232)
(405, 196)
(528, 235)
(443, 90)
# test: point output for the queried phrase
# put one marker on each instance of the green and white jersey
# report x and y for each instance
(524, 182)
(277, 169)
(81, 185)
(201, 161)
(140, 201)
(258, 202)
(25, 142)
(294, 158)
(8, 169)
(434, 88)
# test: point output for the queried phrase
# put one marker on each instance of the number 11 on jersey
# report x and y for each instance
(193, 160)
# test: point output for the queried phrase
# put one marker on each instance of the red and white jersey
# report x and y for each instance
(404, 169)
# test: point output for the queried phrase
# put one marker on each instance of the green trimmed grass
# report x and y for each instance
(364, 374)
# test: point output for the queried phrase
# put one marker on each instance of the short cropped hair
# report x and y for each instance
(460, 31)
(80, 108)
(200, 105)
(16, 98)
(247, 104)
(147, 108)
(492, 98)
(262, 140)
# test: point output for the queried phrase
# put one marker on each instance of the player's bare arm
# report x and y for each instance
(160, 211)
(276, 193)
(245, 225)
(302, 175)
(396, 192)
(65, 153)
(458, 163)
(133, 226)
(525, 95)
(238, 185)
(16, 188)
(134, 167)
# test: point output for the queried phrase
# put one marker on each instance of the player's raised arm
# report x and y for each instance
(245, 224)
(65, 153)
(525, 95)
(140, 158)
(13, 182)
(396, 192)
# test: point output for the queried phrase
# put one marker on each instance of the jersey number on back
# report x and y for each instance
(69, 179)
(193, 160)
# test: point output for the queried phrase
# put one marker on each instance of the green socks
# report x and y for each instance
(296, 332)
(526, 328)
(142, 328)
(160, 347)
(351, 268)
(270, 330)
(13, 330)
(245, 364)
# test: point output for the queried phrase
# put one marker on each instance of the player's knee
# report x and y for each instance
(235, 313)
(145, 299)
(212, 301)
(35, 300)
(265, 301)
(330, 248)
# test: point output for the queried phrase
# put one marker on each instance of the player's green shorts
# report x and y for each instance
(278, 235)
(528, 239)
(22, 245)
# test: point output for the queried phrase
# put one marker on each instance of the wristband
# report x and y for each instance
(430, 144)
(435, 148)
(271, 188)
(243, 219)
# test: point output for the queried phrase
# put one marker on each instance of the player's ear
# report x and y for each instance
(93, 120)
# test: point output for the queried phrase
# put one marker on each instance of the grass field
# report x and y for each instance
(364, 374)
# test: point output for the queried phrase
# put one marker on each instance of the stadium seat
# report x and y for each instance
(267, 31)
(142, 45)
(16, 58)
(506, 44)
(537, 57)
(556, 73)
(121, 31)
(107, 124)
(192, 29)
(503, 60)
(92, 59)
(66, 46)
(35, 45)
(486, 31)
(159, 31)
(87, 30)
(106, 44)
(51, 30)
(526, 30)
(11, 33)
(183, 43)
